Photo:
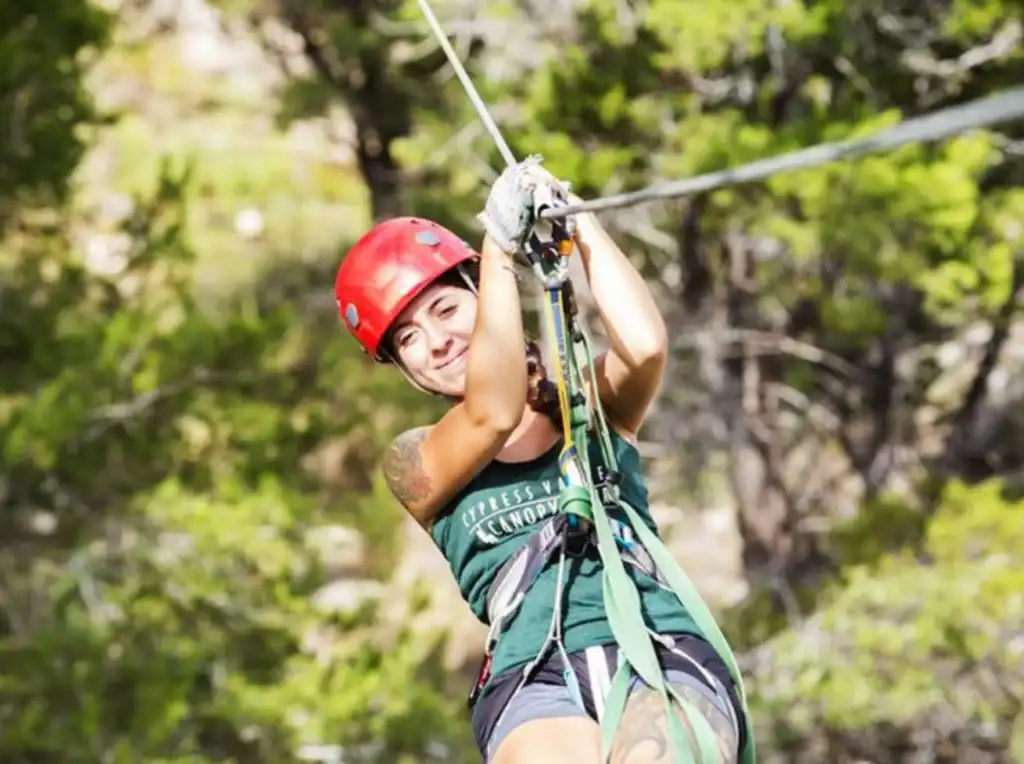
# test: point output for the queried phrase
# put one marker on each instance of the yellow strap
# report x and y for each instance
(560, 382)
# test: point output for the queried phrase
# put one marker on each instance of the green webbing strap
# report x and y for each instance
(687, 593)
(622, 603)
(621, 599)
(675, 577)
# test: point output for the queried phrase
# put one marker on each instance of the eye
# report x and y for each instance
(447, 311)
(404, 339)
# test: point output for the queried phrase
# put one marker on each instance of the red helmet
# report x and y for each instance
(387, 268)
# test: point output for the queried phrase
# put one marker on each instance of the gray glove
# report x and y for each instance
(508, 213)
(549, 191)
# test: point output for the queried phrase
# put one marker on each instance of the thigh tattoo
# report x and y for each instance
(643, 737)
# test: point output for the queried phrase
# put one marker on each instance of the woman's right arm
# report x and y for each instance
(425, 467)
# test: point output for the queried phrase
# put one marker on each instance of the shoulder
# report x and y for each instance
(402, 465)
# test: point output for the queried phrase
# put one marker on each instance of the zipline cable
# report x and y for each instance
(983, 112)
(467, 83)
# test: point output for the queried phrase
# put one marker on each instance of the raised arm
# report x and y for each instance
(629, 374)
(427, 466)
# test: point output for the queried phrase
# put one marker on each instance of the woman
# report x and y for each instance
(484, 477)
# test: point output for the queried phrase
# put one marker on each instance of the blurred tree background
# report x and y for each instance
(200, 563)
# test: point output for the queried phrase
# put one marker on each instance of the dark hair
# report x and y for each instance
(541, 392)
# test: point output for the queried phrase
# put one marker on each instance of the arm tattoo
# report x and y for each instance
(403, 467)
(643, 737)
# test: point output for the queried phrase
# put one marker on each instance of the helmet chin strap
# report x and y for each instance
(405, 373)
(467, 279)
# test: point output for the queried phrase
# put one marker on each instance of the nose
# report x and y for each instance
(440, 341)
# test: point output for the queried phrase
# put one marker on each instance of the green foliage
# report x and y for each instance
(195, 630)
(913, 639)
(914, 216)
(884, 524)
(174, 470)
(45, 104)
(173, 595)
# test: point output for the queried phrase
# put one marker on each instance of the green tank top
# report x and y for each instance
(493, 517)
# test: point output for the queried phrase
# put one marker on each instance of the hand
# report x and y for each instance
(508, 214)
(549, 191)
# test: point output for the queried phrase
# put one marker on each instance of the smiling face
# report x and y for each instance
(431, 338)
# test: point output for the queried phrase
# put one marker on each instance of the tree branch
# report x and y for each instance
(961, 442)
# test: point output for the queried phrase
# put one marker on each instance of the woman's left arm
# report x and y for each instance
(628, 376)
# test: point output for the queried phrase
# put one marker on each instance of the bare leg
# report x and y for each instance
(563, 740)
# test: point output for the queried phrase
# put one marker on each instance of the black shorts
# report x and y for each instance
(491, 705)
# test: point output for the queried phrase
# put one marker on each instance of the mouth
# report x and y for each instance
(458, 356)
